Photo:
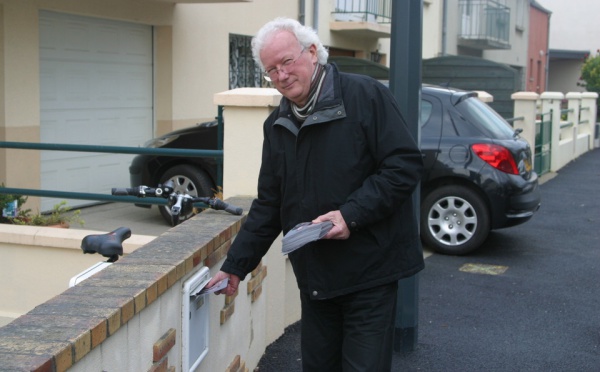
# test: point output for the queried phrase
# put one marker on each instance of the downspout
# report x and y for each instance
(444, 25)
(302, 12)
(547, 56)
(316, 15)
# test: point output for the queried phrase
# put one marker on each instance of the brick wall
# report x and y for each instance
(58, 334)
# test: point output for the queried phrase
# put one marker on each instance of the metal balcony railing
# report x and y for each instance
(376, 11)
(484, 24)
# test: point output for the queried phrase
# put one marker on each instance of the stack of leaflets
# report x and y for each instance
(303, 233)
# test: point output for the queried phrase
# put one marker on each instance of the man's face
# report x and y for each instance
(290, 66)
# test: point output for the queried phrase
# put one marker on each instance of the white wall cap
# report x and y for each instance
(525, 96)
(589, 95)
(573, 95)
(248, 97)
(484, 96)
(552, 95)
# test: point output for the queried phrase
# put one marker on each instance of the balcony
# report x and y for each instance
(484, 24)
(362, 18)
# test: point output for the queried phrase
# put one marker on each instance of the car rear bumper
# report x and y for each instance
(524, 199)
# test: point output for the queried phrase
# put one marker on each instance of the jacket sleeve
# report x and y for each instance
(399, 163)
(262, 225)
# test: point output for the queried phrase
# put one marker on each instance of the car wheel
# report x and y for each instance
(454, 220)
(186, 179)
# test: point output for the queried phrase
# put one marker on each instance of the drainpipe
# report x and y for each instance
(444, 25)
(316, 15)
(302, 11)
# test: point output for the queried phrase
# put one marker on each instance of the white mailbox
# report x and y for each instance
(194, 321)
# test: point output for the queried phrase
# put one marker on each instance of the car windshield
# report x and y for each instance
(483, 116)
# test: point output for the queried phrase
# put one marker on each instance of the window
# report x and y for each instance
(243, 72)
(521, 14)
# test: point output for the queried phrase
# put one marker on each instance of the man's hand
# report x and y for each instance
(232, 286)
(339, 230)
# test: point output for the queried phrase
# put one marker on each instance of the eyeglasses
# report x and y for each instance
(286, 67)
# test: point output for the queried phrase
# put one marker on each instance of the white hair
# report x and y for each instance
(306, 37)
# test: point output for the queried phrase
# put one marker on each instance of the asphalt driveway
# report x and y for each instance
(528, 300)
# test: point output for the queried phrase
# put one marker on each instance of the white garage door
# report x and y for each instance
(96, 89)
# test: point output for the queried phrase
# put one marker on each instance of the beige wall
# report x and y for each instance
(38, 263)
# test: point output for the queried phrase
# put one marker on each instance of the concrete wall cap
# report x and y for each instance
(248, 97)
(484, 96)
(526, 96)
(573, 95)
(589, 95)
(552, 95)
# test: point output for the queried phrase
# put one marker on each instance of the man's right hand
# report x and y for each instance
(232, 286)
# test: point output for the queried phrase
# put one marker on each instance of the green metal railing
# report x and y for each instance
(543, 139)
(216, 154)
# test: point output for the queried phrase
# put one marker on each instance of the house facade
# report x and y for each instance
(119, 72)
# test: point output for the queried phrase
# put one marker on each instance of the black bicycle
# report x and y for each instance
(179, 204)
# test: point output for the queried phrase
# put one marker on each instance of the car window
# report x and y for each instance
(431, 117)
(483, 117)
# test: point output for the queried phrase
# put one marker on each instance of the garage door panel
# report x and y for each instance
(96, 89)
(93, 85)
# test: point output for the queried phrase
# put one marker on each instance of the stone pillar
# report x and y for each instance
(589, 99)
(573, 102)
(551, 102)
(244, 112)
(526, 107)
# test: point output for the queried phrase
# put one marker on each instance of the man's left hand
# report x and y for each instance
(339, 230)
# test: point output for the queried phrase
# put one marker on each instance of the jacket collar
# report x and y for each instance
(330, 105)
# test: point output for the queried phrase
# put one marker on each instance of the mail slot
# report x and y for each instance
(194, 320)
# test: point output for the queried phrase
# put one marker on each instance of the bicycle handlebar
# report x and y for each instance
(166, 191)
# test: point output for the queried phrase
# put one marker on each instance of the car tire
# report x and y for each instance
(186, 179)
(454, 220)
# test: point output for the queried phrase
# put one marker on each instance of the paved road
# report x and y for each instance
(541, 314)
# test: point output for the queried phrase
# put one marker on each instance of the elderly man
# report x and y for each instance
(337, 149)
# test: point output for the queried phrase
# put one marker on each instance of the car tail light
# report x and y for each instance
(497, 156)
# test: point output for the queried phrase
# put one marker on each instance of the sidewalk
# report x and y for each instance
(110, 216)
(541, 314)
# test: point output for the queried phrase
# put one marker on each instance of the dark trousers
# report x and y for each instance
(353, 332)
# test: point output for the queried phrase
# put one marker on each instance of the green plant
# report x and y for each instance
(61, 214)
(6, 199)
(590, 73)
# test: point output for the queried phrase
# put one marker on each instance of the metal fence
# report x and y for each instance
(216, 154)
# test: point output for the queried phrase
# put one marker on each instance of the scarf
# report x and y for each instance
(316, 82)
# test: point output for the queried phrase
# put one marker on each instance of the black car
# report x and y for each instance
(478, 174)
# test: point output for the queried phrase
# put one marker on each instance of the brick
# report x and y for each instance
(234, 366)
(162, 284)
(127, 311)
(114, 322)
(82, 346)
(151, 294)
(227, 312)
(214, 258)
(99, 333)
(140, 302)
(257, 279)
(256, 293)
(230, 299)
(163, 345)
(160, 366)
(256, 270)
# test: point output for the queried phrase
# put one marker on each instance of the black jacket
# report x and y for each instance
(353, 154)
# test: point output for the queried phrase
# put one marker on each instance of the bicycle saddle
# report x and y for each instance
(108, 245)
